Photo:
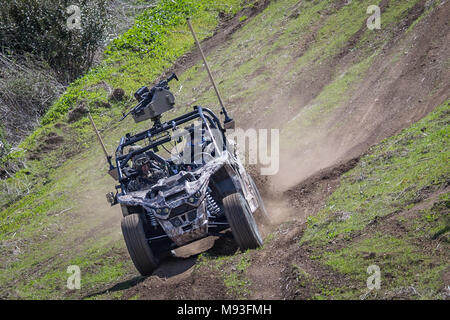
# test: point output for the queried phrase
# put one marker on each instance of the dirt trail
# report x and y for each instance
(390, 97)
(404, 83)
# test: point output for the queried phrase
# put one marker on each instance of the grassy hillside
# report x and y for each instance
(392, 210)
(310, 68)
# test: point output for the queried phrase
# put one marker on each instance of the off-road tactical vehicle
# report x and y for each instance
(180, 181)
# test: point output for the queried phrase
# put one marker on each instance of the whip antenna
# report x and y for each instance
(228, 120)
(112, 170)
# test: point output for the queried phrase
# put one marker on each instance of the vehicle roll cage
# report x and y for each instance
(206, 116)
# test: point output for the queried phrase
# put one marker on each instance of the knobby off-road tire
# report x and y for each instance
(262, 208)
(242, 223)
(137, 244)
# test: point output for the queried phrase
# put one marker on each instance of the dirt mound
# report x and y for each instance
(77, 113)
(50, 143)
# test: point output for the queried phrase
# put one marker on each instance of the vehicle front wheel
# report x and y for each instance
(138, 247)
(242, 223)
(261, 207)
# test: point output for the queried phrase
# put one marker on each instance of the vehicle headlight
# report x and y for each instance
(196, 197)
(163, 212)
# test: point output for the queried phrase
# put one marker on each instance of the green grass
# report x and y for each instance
(40, 268)
(394, 175)
(235, 281)
(99, 265)
(401, 264)
(396, 10)
(313, 288)
(232, 269)
(434, 222)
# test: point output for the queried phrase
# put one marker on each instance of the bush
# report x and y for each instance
(40, 27)
(27, 88)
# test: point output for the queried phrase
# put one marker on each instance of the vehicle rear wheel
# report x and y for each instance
(242, 223)
(137, 244)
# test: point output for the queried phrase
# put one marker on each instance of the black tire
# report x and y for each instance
(242, 223)
(137, 244)
(124, 209)
(262, 208)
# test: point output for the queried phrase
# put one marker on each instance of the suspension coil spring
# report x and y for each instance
(211, 206)
(152, 219)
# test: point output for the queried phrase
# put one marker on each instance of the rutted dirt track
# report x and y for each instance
(388, 98)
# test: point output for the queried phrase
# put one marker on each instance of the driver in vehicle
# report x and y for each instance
(144, 172)
(148, 169)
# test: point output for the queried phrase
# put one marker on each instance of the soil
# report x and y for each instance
(50, 143)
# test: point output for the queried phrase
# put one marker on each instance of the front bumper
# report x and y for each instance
(188, 226)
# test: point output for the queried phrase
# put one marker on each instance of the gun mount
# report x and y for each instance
(153, 102)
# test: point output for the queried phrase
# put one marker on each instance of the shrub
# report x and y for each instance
(40, 27)
(27, 88)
